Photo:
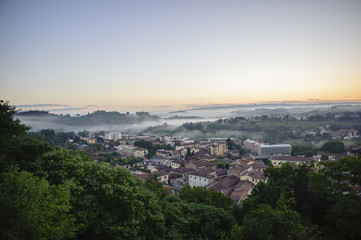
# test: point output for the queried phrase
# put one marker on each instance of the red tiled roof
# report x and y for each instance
(224, 183)
(164, 168)
(183, 170)
(200, 163)
(292, 158)
(161, 173)
(206, 173)
(255, 174)
(258, 165)
(244, 185)
(238, 195)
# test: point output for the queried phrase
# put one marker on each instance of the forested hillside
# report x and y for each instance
(54, 193)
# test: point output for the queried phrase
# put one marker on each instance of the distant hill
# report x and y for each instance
(44, 119)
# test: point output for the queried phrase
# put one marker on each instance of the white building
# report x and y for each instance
(113, 135)
(135, 151)
(266, 150)
(201, 178)
(278, 161)
(274, 150)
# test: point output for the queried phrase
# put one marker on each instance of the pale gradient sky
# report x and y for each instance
(143, 53)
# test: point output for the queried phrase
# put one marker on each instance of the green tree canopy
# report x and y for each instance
(31, 208)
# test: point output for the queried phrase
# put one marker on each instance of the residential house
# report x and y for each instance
(354, 152)
(184, 172)
(177, 164)
(239, 170)
(241, 191)
(200, 164)
(259, 166)
(254, 176)
(135, 151)
(201, 178)
(279, 160)
(225, 185)
(163, 176)
(330, 156)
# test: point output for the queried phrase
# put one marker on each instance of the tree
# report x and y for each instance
(343, 219)
(9, 127)
(191, 220)
(31, 208)
(204, 196)
(230, 144)
(333, 147)
(16, 147)
(278, 223)
(110, 203)
(324, 157)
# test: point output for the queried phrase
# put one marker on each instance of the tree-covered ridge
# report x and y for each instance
(271, 129)
(90, 119)
(54, 193)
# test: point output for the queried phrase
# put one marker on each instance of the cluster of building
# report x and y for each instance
(211, 164)
(340, 134)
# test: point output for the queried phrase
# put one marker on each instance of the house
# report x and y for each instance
(91, 141)
(354, 152)
(279, 160)
(221, 173)
(177, 164)
(131, 165)
(202, 177)
(254, 176)
(164, 168)
(239, 170)
(330, 156)
(175, 154)
(248, 156)
(184, 172)
(200, 164)
(219, 149)
(241, 191)
(259, 166)
(162, 153)
(234, 153)
(175, 178)
(163, 176)
(225, 185)
(135, 151)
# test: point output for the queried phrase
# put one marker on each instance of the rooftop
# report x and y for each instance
(292, 158)
(206, 173)
(183, 170)
(224, 183)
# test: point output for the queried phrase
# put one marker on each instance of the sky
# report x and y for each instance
(169, 54)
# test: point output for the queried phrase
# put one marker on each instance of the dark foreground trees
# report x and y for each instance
(31, 208)
(317, 203)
